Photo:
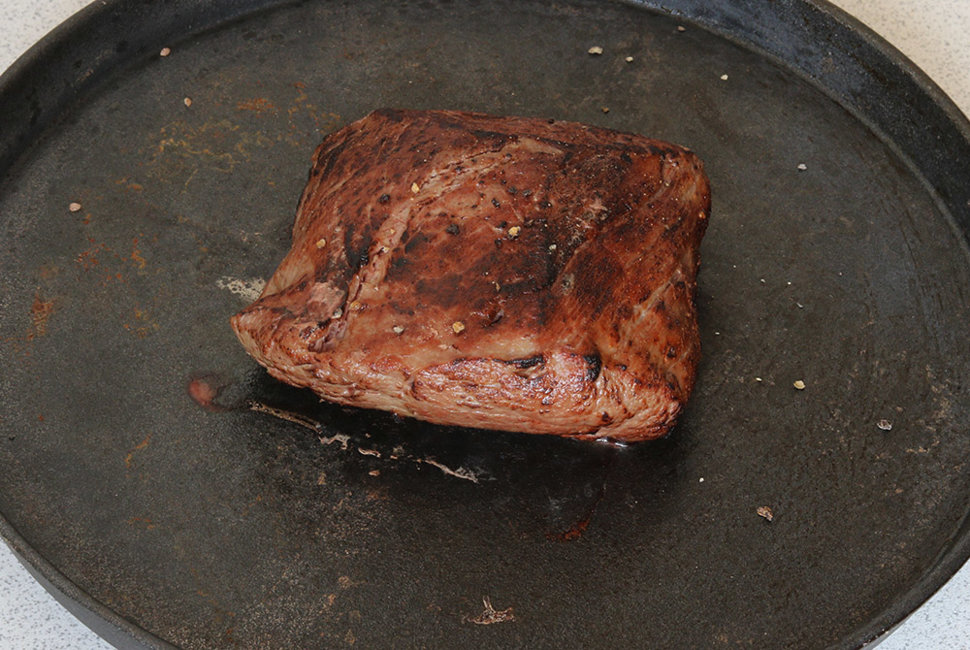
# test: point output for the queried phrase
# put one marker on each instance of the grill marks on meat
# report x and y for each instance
(495, 272)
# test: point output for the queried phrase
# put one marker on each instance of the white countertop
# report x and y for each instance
(933, 33)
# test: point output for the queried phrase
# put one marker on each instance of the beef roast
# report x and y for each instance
(495, 272)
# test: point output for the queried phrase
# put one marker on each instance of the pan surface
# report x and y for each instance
(177, 495)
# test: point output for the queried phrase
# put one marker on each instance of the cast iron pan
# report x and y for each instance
(171, 493)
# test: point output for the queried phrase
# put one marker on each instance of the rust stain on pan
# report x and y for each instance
(141, 445)
(256, 105)
(40, 313)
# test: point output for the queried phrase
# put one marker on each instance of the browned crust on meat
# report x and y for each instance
(507, 273)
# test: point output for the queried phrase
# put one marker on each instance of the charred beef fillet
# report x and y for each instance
(495, 272)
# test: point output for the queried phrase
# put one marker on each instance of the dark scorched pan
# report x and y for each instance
(170, 493)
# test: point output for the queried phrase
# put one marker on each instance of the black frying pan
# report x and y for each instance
(172, 494)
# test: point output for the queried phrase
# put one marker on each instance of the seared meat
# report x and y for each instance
(496, 272)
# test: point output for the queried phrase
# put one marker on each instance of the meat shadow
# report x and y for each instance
(535, 484)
